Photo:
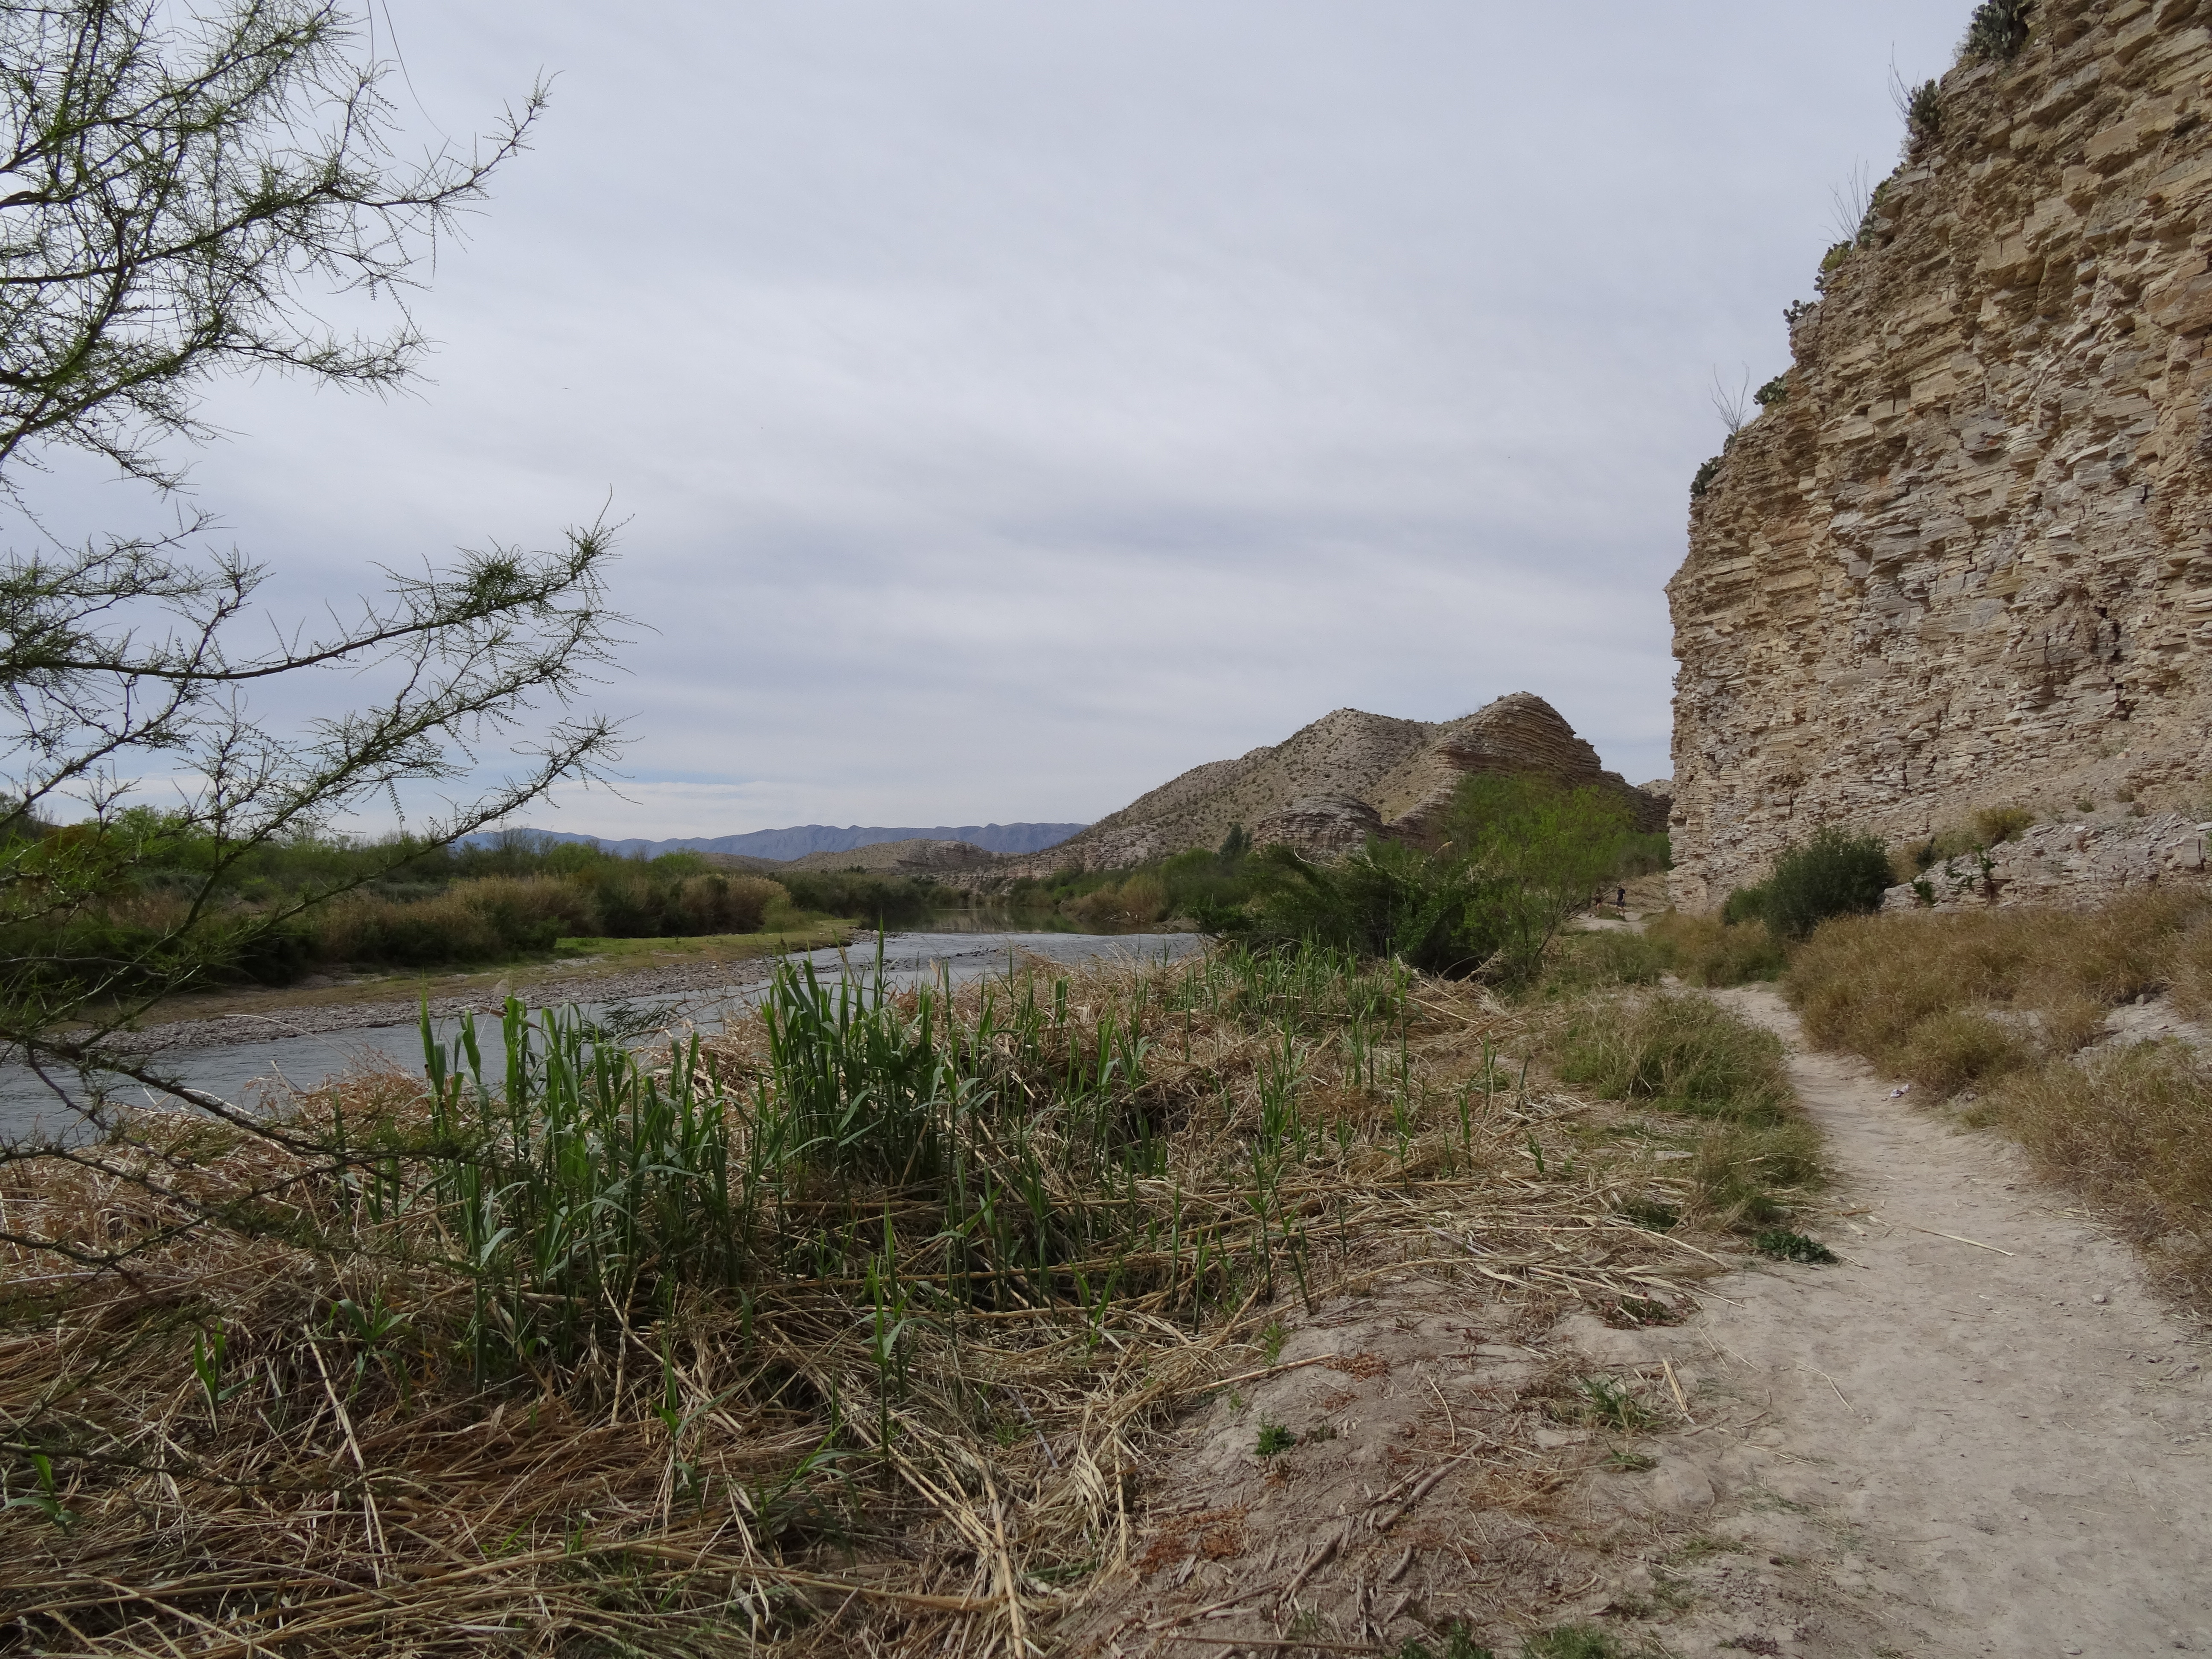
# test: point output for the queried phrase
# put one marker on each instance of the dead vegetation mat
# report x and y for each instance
(864, 1328)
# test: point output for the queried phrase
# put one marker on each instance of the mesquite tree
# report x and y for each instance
(180, 188)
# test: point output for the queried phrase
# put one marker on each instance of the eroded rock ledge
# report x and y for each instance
(1966, 560)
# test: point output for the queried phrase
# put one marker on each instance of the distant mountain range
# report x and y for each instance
(803, 839)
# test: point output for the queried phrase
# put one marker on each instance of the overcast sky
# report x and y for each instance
(1012, 405)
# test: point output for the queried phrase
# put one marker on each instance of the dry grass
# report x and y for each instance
(1871, 984)
(266, 1399)
(2131, 1130)
(2013, 1004)
(1706, 950)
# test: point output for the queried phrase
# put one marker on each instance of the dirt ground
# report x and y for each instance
(1979, 1433)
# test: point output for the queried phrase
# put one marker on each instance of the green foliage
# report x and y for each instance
(879, 900)
(1609, 1403)
(1459, 1643)
(1386, 900)
(1835, 873)
(1702, 479)
(1521, 855)
(1996, 31)
(1786, 1246)
(1273, 1438)
(1923, 115)
(1599, 960)
(1572, 1642)
(1773, 391)
(1547, 847)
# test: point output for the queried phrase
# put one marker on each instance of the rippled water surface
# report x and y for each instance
(236, 1071)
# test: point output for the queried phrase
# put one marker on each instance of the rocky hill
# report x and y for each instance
(1964, 557)
(1345, 777)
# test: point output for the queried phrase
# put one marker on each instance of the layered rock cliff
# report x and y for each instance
(1328, 787)
(1965, 557)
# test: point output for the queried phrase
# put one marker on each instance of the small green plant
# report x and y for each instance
(1629, 1462)
(1923, 892)
(1649, 1214)
(1273, 1438)
(1996, 31)
(1272, 1340)
(1608, 1401)
(1785, 1246)
(2084, 804)
(1702, 479)
(1459, 1643)
(1773, 391)
(1572, 1642)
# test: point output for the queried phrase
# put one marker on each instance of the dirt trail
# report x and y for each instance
(1938, 1448)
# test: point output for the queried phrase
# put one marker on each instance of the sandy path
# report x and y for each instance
(1941, 1449)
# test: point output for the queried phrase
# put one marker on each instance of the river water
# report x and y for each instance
(241, 1071)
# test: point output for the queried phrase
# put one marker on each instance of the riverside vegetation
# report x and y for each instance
(393, 903)
(848, 1326)
(2004, 1013)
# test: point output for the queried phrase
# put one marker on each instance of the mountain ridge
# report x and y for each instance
(797, 841)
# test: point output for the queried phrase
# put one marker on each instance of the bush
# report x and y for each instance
(1924, 116)
(1835, 874)
(1996, 31)
(880, 901)
(1386, 900)
(1702, 479)
(1774, 391)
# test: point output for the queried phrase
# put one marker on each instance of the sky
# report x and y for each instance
(1010, 406)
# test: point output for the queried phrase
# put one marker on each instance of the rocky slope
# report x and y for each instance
(1345, 777)
(1965, 559)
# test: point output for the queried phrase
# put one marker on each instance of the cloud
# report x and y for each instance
(1011, 406)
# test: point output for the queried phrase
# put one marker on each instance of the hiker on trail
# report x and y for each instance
(1622, 900)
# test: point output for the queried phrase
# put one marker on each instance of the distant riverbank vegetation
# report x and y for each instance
(392, 906)
(1513, 858)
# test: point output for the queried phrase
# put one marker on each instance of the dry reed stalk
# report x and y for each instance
(266, 1435)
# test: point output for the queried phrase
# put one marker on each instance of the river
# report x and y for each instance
(277, 1059)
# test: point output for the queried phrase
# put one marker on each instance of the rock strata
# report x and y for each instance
(2066, 866)
(1964, 558)
(1329, 787)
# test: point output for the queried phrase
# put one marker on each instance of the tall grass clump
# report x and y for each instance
(1688, 1055)
(2129, 1129)
(1710, 950)
(850, 1327)
(1519, 855)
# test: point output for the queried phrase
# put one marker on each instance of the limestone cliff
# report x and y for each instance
(1966, 557)
(1329, 787)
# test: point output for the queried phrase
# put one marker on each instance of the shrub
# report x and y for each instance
(1681, 1053)
(1386, 900)
(1744, 904)
(1835, 874)
(1996, 31)
(1710, 951)
(1773, 391)
(1702, 479)
(881, 901)
(1998, 824)
(1924, 116)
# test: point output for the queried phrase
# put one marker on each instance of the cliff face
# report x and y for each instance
(1966, 559)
